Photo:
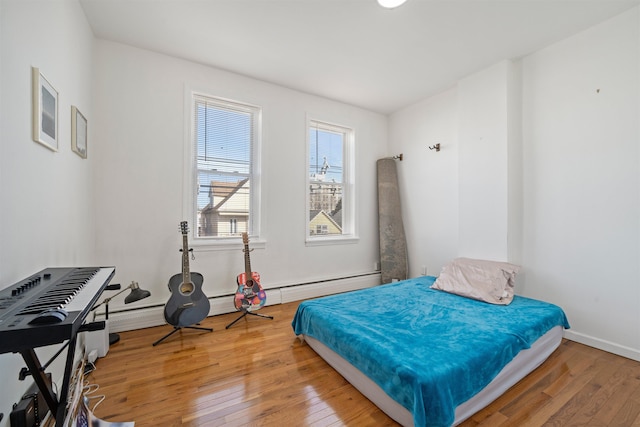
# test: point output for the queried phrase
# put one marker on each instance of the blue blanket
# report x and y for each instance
(428, 350)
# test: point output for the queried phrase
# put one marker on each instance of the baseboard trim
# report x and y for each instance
(329, 287)
(604, 345)
(146, 317)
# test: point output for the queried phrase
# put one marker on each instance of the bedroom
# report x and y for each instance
(571, 215)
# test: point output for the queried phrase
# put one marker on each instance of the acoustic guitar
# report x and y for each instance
(250, 296)
(187, 305)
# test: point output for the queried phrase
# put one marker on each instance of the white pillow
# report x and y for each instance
(488, 281)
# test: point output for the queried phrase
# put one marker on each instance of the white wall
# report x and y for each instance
(483, 138)
(139, 137)
(46, 216)
(466, 199)
(428, 180)
(515, 189)
(582, 181)
(575, 224)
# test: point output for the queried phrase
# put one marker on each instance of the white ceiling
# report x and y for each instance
(349, 50)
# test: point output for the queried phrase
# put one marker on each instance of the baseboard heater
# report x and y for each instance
(146, 317)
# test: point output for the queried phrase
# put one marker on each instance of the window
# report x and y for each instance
(330, 210)
(322, 229)
(225, 145)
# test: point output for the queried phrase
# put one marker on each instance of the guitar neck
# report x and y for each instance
(186, 274)
(247, 263)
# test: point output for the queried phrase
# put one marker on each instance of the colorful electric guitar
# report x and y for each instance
(187, 305)
(250, 296)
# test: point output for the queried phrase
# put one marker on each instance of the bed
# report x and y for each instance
(428, 357)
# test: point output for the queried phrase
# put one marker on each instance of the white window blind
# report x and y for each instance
(225, 137)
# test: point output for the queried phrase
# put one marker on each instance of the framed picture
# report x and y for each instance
(45, 111)
(78, 132)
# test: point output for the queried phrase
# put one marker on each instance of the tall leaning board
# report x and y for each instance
(393, 245)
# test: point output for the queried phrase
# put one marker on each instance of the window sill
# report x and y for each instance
(331, 240)
(225, 244)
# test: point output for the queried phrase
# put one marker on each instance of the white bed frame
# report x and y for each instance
(523, 364)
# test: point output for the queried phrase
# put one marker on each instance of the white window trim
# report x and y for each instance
(350, 234)
(189, 181)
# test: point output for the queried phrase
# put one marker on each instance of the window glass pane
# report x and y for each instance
(326, 178)
(224, 137)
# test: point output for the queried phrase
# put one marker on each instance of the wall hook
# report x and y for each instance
(398, 157)
(435, 147)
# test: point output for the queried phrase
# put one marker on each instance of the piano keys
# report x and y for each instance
(74, 289)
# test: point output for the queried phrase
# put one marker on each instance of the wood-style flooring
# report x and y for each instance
(258, 373)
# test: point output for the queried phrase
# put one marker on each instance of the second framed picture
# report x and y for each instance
(78, 132)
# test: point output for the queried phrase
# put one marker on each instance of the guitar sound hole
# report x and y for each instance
(186, 288)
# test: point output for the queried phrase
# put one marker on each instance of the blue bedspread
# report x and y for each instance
(428, 350)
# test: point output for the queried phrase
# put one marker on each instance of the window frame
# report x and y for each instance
(190, 175)
(349, 230)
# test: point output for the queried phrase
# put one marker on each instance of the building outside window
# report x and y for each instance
(330, 184)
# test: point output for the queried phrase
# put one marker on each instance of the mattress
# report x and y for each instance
(428, 351)
(523, 364)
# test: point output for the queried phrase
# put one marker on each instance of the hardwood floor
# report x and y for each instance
(258, 373)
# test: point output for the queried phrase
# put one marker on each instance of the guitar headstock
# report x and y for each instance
(245, 238)
(184, 227)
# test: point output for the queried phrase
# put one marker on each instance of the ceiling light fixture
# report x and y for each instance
(390, 4)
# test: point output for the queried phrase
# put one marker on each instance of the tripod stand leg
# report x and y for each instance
(200, 328)
(260, 315)
(234, 322)
(176, 329)
(166, 336)
(244, 313)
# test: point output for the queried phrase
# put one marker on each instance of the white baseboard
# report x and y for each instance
(314, 290)
(608, 346)
(128, 320)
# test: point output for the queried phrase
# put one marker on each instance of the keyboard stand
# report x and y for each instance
(42, 381)
(37, 371)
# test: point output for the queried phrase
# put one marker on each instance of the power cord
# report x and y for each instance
(89, 367)
(88, 390)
